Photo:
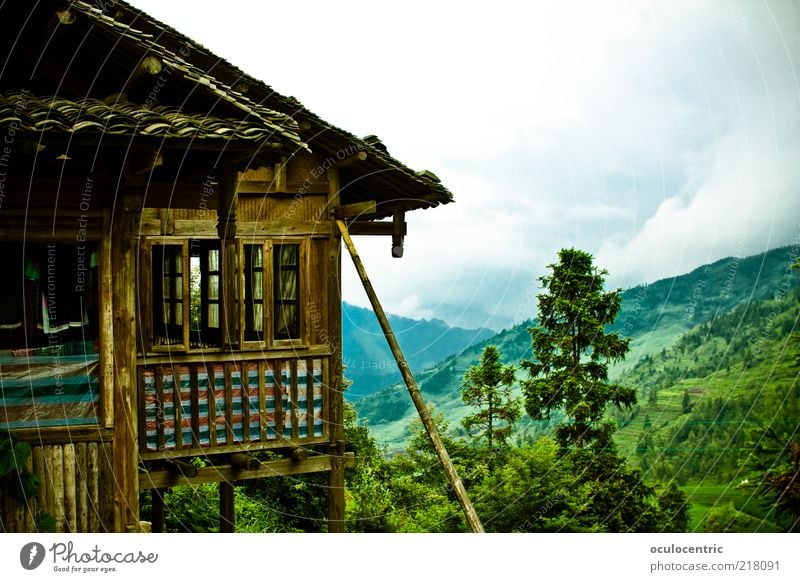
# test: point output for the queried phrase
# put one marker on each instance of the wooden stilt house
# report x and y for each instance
(171, 266)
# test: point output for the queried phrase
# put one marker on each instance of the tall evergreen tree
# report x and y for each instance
(488, 387)
(572, 351)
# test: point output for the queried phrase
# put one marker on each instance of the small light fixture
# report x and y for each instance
(63, 157)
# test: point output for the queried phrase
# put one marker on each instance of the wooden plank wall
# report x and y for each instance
(77, 486)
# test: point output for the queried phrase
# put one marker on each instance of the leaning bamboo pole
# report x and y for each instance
(427, 421)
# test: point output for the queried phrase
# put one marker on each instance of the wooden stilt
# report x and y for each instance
(227, 517)
(458, 487)
(157, 514)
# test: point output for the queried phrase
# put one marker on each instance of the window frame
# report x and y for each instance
(232, 294)
(277, 301)
(150, 290)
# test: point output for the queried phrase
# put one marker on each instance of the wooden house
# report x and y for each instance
(171, 261)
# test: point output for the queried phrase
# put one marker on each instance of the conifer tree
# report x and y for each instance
(572, 350)
(488, 387)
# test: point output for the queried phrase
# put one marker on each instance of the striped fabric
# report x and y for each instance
(40, 391)
(173, 403)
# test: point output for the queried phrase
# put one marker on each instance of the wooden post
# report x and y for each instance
(124, 462)
(458, 487)
(157, 513)
(336, 501)
(226, 229)
(227, 515)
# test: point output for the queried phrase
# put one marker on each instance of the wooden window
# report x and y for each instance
(205, 294)
(170, 288)
(186, 299)
(286, 291)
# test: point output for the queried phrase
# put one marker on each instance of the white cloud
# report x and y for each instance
(748, 203)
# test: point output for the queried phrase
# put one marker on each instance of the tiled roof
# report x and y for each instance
(281, 123)
(55, 114)
(392, 177)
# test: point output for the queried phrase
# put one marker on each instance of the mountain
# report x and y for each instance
(654, 316)
(369, 363)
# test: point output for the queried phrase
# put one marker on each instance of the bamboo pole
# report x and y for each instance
(455, 481)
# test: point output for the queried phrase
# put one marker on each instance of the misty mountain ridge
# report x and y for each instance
(654, 316)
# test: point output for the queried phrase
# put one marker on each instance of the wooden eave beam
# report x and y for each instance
(376, 228)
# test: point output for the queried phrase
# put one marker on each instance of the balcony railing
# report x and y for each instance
(249, 403)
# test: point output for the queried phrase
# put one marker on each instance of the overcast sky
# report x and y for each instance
(658, 136)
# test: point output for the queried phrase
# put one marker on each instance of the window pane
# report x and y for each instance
(286, 324)
(213, 315)
(195, 295)
(257, 257)
(288, 285)
(213, 287)
(258, 285)
(213, 260)
(288, 255)
(258, 317)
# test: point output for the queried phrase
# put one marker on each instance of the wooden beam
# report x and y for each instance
(359, 209)
(458, 487)
(378, 228)
(269, 445)
(244, 461)
(58, 435)
(219, 357)
(217, 473)
(178, 467)
(293, 452)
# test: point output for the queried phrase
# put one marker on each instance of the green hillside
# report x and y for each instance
(654, 316)
(720, 406)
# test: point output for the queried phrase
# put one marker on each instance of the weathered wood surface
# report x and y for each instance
(70, 490)
(336, 489)
(124, 451)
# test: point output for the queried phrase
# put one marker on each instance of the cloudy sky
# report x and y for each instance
(658, 136)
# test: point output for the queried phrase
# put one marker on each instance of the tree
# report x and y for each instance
(572, 351)
(686, 403)
(488, 387)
